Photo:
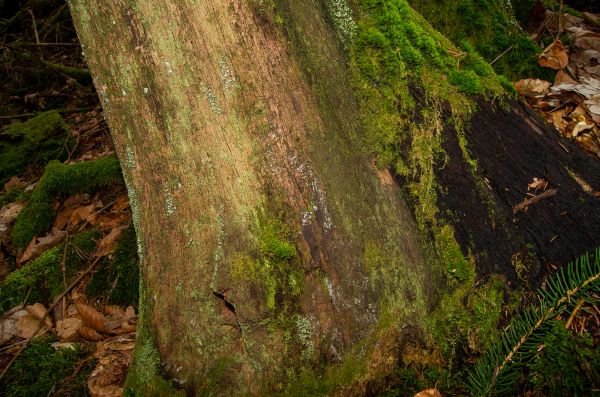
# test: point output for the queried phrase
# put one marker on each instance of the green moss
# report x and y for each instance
(467, 81)
(307, 383)
(567, 364)
(41, 370)
(42, 278)
(468, 317)
(10, 195)
(118, 278)
(490, 28)
(35, 141)
(275, 270)
(61, 180)
(144, 378)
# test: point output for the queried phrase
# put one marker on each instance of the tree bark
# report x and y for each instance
(225, 144)
(271, 245)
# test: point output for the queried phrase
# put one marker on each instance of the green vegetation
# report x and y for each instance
(490, 27)
(466, 319)
(9, 196)
(498, 371)
(35, 141)
(117, 279)
(41, 370)
(144, 378)
(42, 278)
(567, 365)
(275, 271)
(61, 180)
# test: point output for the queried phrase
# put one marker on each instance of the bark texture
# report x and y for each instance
(270, 243)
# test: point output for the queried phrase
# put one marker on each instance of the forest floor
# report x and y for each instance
(68, 261)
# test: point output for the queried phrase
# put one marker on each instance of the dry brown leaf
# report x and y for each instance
(38, 310)
(537, 184)
(429, 393)
(590, 143)
(554, 56)
(592, 105)
(130, 314)
(585, 39)
(8, 329)
(67, 329)
(8, 215)
(89, 334)
(109, 242)
(564, 77)
(91, 317)
(83, 213)
(38, 246)
(114, 310)
(121, 203)
(27, 324)
(532, 87)
(108, 377)
(15, 181)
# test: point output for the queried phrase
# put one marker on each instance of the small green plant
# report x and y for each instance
(497, 372)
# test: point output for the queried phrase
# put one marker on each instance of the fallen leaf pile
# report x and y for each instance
(572, 102)
(75, 214)
(113, 331)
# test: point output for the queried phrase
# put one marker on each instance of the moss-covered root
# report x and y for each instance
(41, 279)
(60, 180)
(39, 139)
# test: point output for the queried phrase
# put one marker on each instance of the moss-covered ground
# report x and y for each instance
(42, 279)
(59, 181)
(33, 142)
(42, 370)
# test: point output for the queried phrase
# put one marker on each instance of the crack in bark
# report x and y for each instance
(231, 308)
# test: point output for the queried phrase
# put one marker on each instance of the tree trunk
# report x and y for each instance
(272, 247)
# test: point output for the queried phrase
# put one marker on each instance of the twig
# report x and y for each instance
(35, 31)
(575, 311)
(63, 266)
(523, 204)
(50, 309)
(33, 114)
(50, 44)
(501, 55)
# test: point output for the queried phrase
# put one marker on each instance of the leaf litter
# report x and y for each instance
(572, 102)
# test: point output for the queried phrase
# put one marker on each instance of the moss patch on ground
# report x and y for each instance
(59, 181)
(41, 370)
(35, 141)
(117, 279)
(42, 278)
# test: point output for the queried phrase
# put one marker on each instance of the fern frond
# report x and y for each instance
(497, 371)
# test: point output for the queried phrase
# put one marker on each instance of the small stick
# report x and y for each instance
(63, 266)
(35, 31)
(575, 311)
(501, 55)
(50, 309)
